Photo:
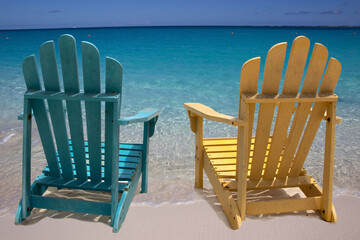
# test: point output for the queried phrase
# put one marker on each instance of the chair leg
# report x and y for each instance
(199, 154)
(124, 203)
(242, 162)
(24, 208)
(144, 162)
(36, 189)
(314, 190)
(120, 212)
(225, 198)
(19, 218)
(327, 212)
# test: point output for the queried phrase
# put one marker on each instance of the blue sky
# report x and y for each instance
(17, 14)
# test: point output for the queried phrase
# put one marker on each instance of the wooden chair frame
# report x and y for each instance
(243, 180)
(78, 164)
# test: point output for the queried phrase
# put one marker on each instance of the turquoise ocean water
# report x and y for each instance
(165, 67)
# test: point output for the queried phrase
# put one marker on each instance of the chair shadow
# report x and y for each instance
(209, 195)
(39, 214)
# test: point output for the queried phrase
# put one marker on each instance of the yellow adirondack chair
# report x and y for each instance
(272, 158)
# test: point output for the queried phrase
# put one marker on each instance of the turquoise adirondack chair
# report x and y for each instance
(78, 163)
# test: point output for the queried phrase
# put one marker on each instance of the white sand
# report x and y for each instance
(200, 220)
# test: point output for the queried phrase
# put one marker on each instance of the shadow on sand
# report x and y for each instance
(209, 195)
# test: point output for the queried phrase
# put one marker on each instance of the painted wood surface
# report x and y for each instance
(327, 86)
(285, 205)
(144, 165)
(129, 156)
(79, 164)
(222, 154)
(69, 67)
(51, 83)
(249, 77)
(72, 205)
(32, 81)
(310, 86)
(142, 116)
(199, 153)
(271, 82)
(263, 184)
(275, 156)
(113, 85)
(26, 165)
(114, 161)
(91, 74)
(208, 113)
(294, 73)
(88, 97)
(248, 84)
(290, 98)
(125, 201)
(228, 204)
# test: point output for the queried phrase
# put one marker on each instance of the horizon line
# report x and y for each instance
(189, 26)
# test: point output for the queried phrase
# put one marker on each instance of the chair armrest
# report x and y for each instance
(142, 116)
(210, 114)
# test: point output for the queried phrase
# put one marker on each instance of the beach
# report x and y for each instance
(203, 219)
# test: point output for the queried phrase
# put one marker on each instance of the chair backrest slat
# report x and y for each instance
(331, 76)
(328, 85)
(296, 65)
(51, 83)
(91, 74)
(271, 81)
(294, 72)
(32, 81)
(113, 85)
(69, 66)
(315, 70)
(311, 83)
(249, 79)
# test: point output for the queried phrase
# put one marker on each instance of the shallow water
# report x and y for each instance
(170, 66)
